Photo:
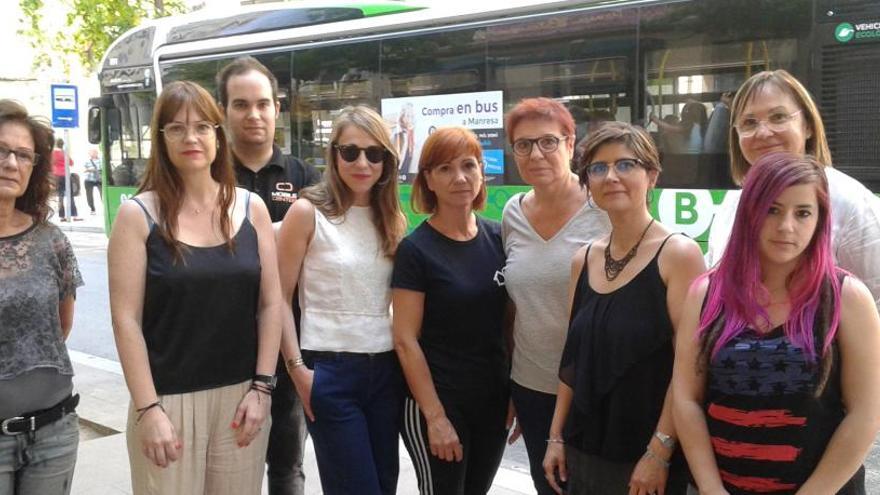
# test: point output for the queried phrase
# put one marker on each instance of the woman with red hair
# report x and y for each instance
(449, 301)
(542, 229)
(776, 366)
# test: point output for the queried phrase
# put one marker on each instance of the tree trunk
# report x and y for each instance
(160, 7)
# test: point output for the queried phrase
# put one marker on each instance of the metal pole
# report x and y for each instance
(68, 193)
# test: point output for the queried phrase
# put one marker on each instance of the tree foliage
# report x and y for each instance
(91, 26)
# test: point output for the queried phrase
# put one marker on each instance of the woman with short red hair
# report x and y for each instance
(542, 229)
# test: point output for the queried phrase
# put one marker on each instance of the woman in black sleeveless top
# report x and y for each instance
(195, 299)
(612, 430)
(776, 374)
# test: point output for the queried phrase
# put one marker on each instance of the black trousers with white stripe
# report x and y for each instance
(481, 430)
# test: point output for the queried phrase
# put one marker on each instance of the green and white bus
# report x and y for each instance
(430, 64)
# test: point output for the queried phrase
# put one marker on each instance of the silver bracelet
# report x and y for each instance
(665, 440)
(555, 440)
(656, 458)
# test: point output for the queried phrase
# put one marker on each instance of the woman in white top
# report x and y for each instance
(337, 243)
(541, 230)
(772, 111)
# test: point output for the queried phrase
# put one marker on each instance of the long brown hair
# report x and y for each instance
(162, 177)
(817, 144)
(35, 200)
(333, 198)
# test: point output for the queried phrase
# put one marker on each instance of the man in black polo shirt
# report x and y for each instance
(249, 96)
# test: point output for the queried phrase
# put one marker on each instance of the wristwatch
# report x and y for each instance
(269, 380)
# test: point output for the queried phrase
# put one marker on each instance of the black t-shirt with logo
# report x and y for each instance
(278, 182)
(461, 336)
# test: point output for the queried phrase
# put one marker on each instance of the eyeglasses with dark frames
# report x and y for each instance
(547, 144)
(23, 156)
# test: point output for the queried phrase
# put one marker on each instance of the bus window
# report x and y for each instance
(584, 60)
(448, 62)
(128, 136)
(325, 80)
(202, 73)
(693, 71)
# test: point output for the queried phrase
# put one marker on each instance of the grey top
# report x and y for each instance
(37, 270)
(536, 277)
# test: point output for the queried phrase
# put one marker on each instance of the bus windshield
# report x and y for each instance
(128, 137)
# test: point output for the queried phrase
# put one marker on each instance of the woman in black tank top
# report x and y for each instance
(776, 372)
(612, 430)
(196, 305)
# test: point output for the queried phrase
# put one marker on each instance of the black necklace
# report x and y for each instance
(613, 267)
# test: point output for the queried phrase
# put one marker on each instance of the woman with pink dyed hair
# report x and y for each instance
(776, 363)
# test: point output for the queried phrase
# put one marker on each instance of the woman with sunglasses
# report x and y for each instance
(449, 303)
(337, 244)
(776, 369)
(541, 230)
(772, 111)
(196, 304)
(612, 430)
(39, 431)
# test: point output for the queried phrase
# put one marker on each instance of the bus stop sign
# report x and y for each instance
(65, 106)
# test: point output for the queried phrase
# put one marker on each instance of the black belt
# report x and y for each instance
(31, 422)
(330, 355)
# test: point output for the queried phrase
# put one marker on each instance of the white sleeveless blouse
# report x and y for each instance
(345, 286)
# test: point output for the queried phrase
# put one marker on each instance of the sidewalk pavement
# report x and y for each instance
(87, 222)
(102, 465)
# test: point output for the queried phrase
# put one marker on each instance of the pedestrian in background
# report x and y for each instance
(249, 97)
(337, 243)
(772, 111)
(449, 305)
(541, 230)
(195, 302)
(612, 429)
(777, 368)
(58, 170)
(92, 180)
(38, 281)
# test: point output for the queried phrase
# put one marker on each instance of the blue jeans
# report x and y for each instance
(40, 463)
(357, 400)
(534, 412)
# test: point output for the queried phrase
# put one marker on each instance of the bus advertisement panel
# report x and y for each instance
(413, 119)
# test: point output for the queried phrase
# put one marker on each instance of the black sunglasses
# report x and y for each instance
(351, 152)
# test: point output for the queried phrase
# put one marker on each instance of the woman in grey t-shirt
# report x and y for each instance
(38, 281)
(541, 230)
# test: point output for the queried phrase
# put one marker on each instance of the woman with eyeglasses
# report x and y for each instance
(337, 243)
(772, 111)
(196, 304)
(39, 276)
(612, 430)
(449, 303)
(776, 368)
(541, 230)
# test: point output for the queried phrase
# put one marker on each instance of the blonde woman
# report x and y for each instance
(337, 243)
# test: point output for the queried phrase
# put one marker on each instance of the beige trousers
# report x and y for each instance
(211, 463)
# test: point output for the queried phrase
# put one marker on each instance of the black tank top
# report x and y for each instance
(200, 313)
(618, 361)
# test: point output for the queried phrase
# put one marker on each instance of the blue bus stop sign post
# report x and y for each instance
(65, 115)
